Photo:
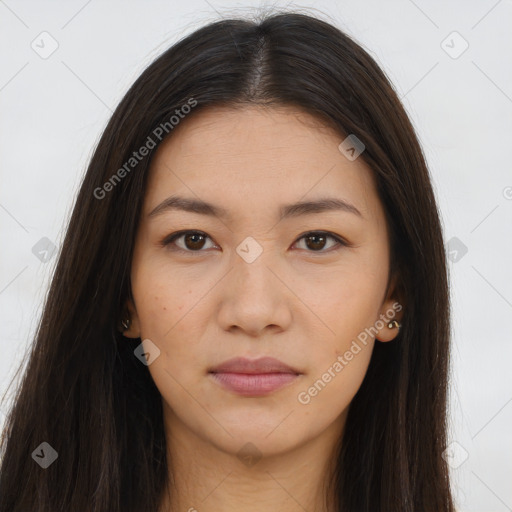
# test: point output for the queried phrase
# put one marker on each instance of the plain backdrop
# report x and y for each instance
(451, 63)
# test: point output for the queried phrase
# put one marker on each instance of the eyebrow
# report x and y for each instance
(300, 208)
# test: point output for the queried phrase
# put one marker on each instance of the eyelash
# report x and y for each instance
(168, 240)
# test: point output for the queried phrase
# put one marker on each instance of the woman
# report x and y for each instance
(250, 310)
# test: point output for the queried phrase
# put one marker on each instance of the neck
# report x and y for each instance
(206, 478)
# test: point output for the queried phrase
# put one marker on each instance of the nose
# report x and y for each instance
(254, 298)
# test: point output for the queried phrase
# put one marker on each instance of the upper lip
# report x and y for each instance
(253, 366)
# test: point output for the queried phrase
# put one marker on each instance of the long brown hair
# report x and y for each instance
(86, 395)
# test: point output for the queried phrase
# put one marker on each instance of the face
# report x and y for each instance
(251, 278)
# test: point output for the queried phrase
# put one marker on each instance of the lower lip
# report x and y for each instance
(254, 384)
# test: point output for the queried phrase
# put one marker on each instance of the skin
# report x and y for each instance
(302, 306)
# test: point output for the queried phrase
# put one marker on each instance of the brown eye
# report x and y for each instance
(192, 241)
(316, 241)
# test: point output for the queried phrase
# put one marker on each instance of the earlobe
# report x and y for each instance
(128, 324)
(391, 316)
(389, 332)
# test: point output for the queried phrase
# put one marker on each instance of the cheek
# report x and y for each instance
(348, 307)
(162, 294)
(336, 377)
(336, 387)
(168, 321)
(170, 314)
(347, 302)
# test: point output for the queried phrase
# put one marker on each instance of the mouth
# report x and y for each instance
(253, 377)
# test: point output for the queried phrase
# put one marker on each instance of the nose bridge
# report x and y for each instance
(251, 271)
(253, 296)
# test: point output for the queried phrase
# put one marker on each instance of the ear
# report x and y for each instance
(130, 312)
(392, 309)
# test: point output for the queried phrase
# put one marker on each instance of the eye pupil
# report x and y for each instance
(201, 243)
(315, 246)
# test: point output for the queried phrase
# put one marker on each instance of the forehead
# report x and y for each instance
(255, 157)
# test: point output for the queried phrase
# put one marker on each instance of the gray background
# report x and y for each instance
(53, 110)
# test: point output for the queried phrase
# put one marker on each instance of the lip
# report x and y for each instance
(253, 366)
(255, 377)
